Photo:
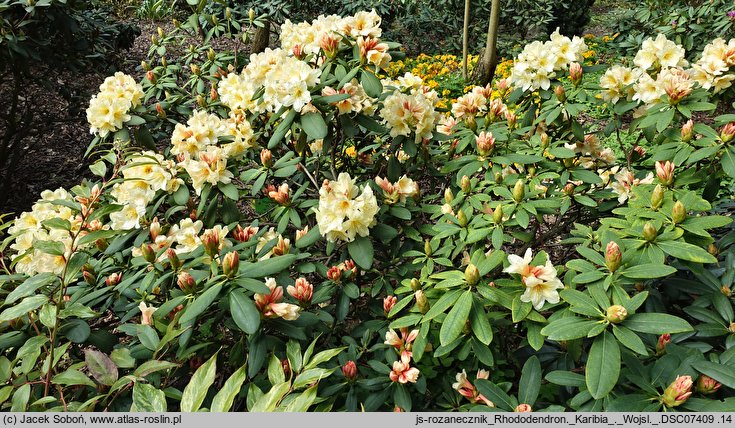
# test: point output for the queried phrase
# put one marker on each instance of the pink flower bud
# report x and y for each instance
(388, 303)
(210, 240)
(266, 158)
(244, 235)
(678, 392)
(301, 233)
(665, 172)
(148, 254)
(186, 282)
(113, 279)
(687, 131)
(663, 340)
(616, 314)
(523, 408)
(575, 73)
(485, 143)
(613, 256)
(230, 264)
(728, 132)
(560, 93)
(155, 228)
(334, 274)
(173, 259)
(302, 291)
(349, 370)
(706, 385)
(678, 213)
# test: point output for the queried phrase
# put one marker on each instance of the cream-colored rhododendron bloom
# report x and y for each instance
(714, 70)
(539, 62)
(625, 181)
(540, 281)
(409, 113)
(660, 53)
(306, 36)
(28, 227)
(270, 305)
(146, 313)
(343, 211)
(210, 168)
(202, 129)
(617, 83)
(108, 109)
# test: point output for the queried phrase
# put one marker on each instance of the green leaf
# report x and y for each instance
(719, 372)
(371, 84)
(564, 378)
(629, 339)
(122, 359)
(685, 251)
(200, 304)
(55, 248)
(314, 125)
(480, 324)
(196, 390)
(361, 251)
(580, 302)
(148, 337)
(72, 377)
(147, 398)
(101, 367)
(656, 323)
(29, 286)
(229, 190)
(26, 305)
(153, 366)
(226, 395)
(267, 267)
(303, 401)
(454, 322)
(307, 377)
(648, 270)
(603, 365)
(441, 305)
(269, 401)
(244, 312)
(311, 237)
(530, 383)
(98, 168)
(322, 357)
(568, 328)
(493, 393)
(282, 129)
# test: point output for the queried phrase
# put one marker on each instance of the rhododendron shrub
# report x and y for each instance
(311, 237)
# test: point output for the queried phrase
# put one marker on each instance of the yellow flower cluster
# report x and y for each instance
(343, 211)
(108, 110)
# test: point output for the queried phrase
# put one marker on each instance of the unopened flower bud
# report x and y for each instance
(173, 259)
(498, 178)
(334, 274)
(388, 303)
(302, 290)
(213, 93)
(569, 189)
(195, 69)
(575, 73)
(678, 392)
(712, 249)
(728, 132)
(462, 218)
(465, 184)
(283, 246)
(498, 214)
(144, 65)
(301, 233)
(485, 143)
(161, 112)
(726, 291)
(678, 213)
(665, 172)
(251, 15)
(160, 32)
(616, 314)
(427, 247)
(101, 244)
(663, 340)
(148, 253)
(154, 228)
(210, 240)
(113, 279)
(523, 408)
(545, 140)
(471, 274)
(706, 385)
(731, 327)
(613, 256)
(687, 131)
(211, 55)
(228, 13)
(649, 232)
(201, 102)
(560, 93)
(164, 63)
(89, 277)
(415, 284)
(349, 370)
(230, 264)
(186, 282)
(448, 195)
(266, 158)
(421, 301)
(657, 197)
(519, 190)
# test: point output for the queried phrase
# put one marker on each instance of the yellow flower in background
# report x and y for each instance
(351, 152)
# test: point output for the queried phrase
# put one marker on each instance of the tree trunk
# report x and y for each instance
(261, 38)
(485, 69)
(465, 37)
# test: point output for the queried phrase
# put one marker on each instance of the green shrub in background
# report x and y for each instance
(299, 235)
(690, 23)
